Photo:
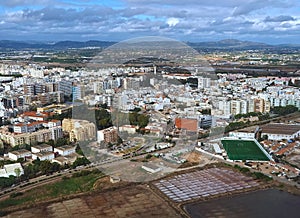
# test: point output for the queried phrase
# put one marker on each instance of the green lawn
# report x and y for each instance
(243, 150)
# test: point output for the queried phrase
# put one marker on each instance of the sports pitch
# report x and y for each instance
(243, 150)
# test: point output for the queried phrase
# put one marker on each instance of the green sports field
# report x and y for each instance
(243, 150)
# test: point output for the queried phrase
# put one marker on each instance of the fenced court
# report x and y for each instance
(238, 149)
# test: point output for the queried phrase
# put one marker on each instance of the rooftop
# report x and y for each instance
(42, 146)
(43, 154)
(250, 129)
(66, 147)
(279, 128)
(21, 151)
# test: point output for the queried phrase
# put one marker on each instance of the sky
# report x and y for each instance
(268, 21)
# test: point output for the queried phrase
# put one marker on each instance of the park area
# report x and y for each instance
(244, 150)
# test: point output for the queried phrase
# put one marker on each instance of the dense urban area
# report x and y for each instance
(145, 131)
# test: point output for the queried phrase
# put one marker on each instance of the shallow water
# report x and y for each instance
(264, 203)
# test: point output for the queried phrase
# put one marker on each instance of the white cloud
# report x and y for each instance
(187, 19)
(172, 21)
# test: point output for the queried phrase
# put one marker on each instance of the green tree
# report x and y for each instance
(280, 110)
(80, 161)
(143, 120)
(17, 172)
(45, 167)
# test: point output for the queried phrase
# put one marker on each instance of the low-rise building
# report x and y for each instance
(130, 129)
(65, 150)
(43, 156)
(22, 153)
(37, 116)
(62, 160)
(41, 148)
(249, 132)
(279, 131)
(15, 169)
(151, 168)
(190, 125)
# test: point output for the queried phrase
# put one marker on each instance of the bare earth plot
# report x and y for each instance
(135, 201)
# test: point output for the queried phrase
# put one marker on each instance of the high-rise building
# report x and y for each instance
(65, 86)
(79, 130)
(108, 135)
(204, 82)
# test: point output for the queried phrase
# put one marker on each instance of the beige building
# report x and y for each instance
(130, 129)
(31, 138)
(108, 135)
(79, 130)
(55, 108)
(261, 105)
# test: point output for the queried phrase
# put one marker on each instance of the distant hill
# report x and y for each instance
(62, 45)
(232, 43)
(18, 45)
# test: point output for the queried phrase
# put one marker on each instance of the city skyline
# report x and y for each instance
(272, 21)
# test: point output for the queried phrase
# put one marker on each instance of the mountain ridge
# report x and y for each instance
(70, 44)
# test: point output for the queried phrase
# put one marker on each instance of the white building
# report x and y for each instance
(41, 148)
(246, 133)
(279, 131)
(22, 153)
(11, 170)
(62, 160)
(130, 129)
(43, 156)
(65, 150)
(151, 168)
(203, 82)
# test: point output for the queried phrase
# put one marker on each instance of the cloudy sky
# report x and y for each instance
(270, 21)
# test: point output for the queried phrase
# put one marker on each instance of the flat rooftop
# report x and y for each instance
(280, 128)
(20, 152)
(250, 129)
(42, 146)
(66, 147)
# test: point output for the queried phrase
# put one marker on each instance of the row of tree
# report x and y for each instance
(250, 114)
(280, 110)
(38, 168)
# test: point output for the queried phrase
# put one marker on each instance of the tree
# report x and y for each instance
(265, 137)
(80, 161)
(17, 172)
(284, 110)
(120, 140)
(45, 167)
(143, 120)
(61, 141)
(7, 182)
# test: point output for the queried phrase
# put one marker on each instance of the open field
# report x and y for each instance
(243, 150)
(133, 201)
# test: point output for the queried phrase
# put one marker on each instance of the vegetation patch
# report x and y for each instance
(79, 182)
